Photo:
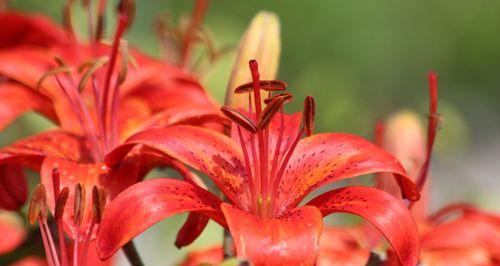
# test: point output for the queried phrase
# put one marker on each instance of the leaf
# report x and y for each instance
(148, 202)
(388, 214)
(291, 239)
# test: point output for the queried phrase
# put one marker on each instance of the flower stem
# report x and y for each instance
(132, 254)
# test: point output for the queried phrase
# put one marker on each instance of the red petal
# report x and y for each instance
(13, 187)
(20, 29)
(208, 151)
(113, 180)
(192, 115)
(31, 151)
(473, 230)
(342, 246)
(12, 231)
(391, 217)
(292, 239)
(213, 255)
(16, 99)
(131, 114)
(148, 202)
(191, 230)
(325, 158)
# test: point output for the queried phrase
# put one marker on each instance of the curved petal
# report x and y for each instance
(191, 230)
(324, 158)
(473, 230)
(131, 114)
(205, 150)
(16, 100)
(12, 231)
(342, 246)
(213, 255)
(20, 29)
(31, 151)
(13, 187)
(148, 202)
(391, 217)
(292, 239)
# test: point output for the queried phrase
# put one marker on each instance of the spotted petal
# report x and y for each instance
(388, 214)
(210, 152)
(324, 158)
(292, 239)
(146, 203)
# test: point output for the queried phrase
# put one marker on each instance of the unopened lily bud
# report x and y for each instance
(38, 204)
(261, 42)
(79, 203)
(309, 112)
(404, 138)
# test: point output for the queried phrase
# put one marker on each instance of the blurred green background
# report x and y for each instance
(362, 60)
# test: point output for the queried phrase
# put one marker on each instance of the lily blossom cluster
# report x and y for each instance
(118, 113)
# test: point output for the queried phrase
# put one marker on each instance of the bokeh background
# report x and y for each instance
(362, 60)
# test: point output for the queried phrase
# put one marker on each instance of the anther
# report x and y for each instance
(239, 118)
(93, 66)
(56, 177)
(267, 85)
(52, 72)
(98, 203)
(309, 112)
(287, 97)
(271, 109)
(61, 204)
(79, 203)
(38, 205)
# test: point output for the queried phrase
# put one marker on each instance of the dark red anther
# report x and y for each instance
(56, 179)
(267, 85)
(271, 109)
(239, 118)
(254, 69)
(79, 203)
(309, 112)
(98, 203)
(61, 204)
(38, 204)
(287, 97)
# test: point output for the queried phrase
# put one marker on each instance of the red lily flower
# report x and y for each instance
(213, 255)
(264, 171)
(97, 99)
(470, 237)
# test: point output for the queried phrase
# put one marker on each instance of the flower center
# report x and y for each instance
(265, 168)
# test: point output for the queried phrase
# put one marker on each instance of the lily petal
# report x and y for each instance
(473, 230)
(16, 99)
(325, 158)
(148, 202)
(13, 187)
(388, 214)
(205, 150)
(31, 151)
(292, 239)
(20, 29)
(191, 230)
